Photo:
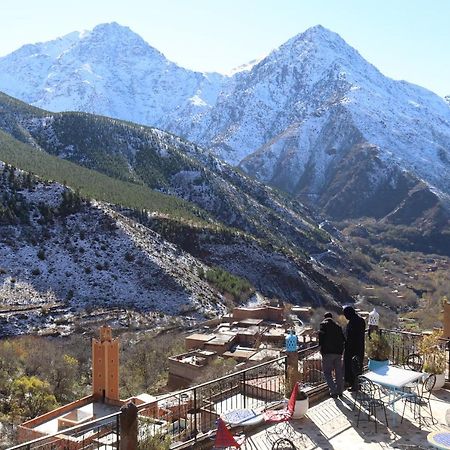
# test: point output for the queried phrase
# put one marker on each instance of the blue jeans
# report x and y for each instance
(332, 362)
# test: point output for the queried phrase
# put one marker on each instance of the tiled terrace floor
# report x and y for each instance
(331, 425)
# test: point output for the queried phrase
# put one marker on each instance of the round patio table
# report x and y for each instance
(242, 417)
(439, 439)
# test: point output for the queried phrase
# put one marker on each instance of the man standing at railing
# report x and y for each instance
(354, 346)
(331, 342)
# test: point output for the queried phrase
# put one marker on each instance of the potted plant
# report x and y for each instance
(432, 350)
(378, 351)
(301, 404)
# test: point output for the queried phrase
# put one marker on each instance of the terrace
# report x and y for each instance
(331, 424)
(187, 418)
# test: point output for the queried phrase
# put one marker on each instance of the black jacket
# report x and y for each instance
(355, 334)
(331, 337)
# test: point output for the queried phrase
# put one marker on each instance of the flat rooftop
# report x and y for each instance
(95, 410)
(250, 322)
(201, 337)
(222, 338)
(241, 353)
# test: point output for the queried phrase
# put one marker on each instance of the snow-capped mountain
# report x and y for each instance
(313, 117)
(329, 99)
(110, 71)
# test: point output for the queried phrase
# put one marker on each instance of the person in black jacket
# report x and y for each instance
(331, 342)
(354, 346)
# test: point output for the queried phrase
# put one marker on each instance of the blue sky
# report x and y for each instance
(405, 39)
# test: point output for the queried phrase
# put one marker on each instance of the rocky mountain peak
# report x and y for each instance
(317, 34)
(319, 43)
(110, 42)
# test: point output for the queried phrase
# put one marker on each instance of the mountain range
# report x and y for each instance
(312, 130)
(312, 118)
(168, 214)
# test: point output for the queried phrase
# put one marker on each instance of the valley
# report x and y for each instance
(299, 177)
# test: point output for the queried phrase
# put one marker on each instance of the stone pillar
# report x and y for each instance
(128, 427)
(292, 375)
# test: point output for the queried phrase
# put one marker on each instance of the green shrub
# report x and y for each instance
(378, 347)
(239, 288)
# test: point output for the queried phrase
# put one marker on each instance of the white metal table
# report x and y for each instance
(243, 417)
(395, 379)
(439, 439)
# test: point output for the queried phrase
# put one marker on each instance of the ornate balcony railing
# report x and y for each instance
(404, 343)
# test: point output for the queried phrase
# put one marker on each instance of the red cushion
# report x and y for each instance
(277, 415)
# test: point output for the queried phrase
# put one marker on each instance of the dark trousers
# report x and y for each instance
(352, 368)
(332, 363)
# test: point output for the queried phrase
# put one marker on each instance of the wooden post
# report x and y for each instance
(128, 427)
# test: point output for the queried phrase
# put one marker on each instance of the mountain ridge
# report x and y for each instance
(293, 119)
(243, 224)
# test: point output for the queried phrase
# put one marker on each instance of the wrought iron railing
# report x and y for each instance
(187, 414)
(405, 343)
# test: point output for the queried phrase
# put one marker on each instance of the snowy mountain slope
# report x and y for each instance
(167, 163)
(293, 119)
(110, 71)
(86, 258)
(270, 232)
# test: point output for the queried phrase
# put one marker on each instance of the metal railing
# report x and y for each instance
(190, 413)
(404, 343)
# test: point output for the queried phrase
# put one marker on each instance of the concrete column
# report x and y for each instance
(128, 427)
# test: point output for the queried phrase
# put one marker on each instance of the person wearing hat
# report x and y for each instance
(331, 343)
(354, 346)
